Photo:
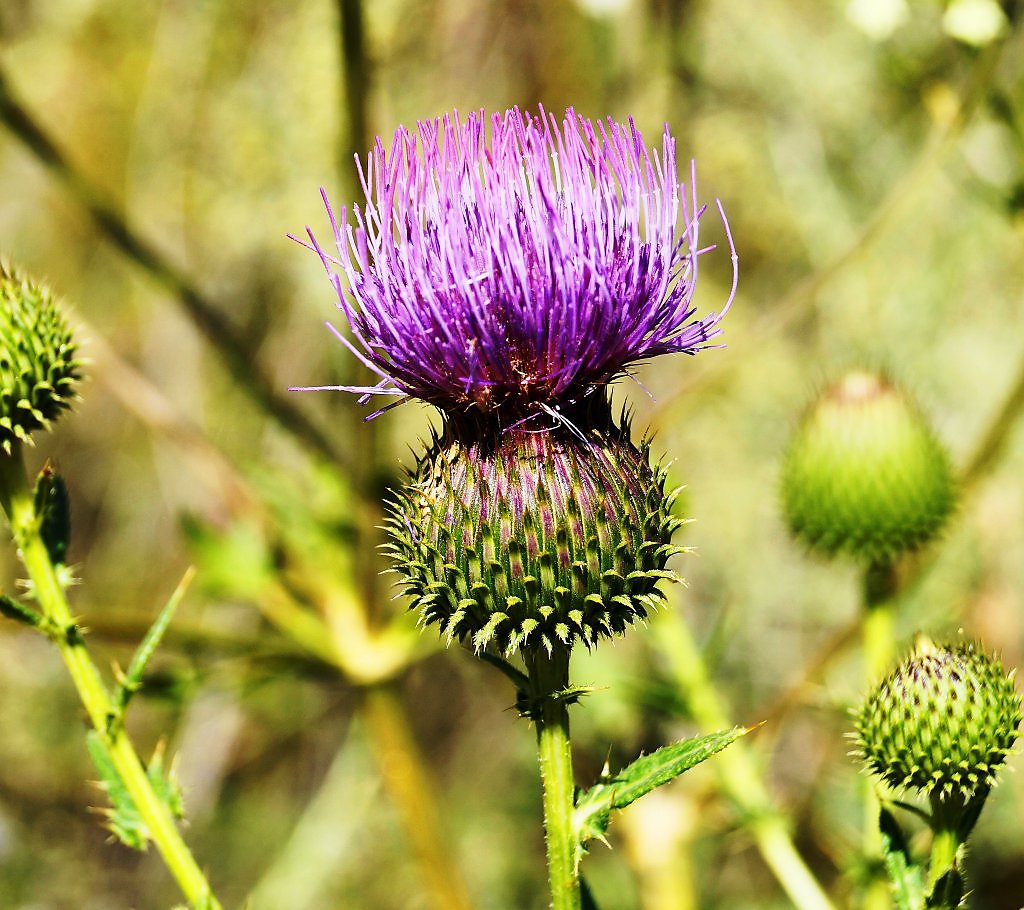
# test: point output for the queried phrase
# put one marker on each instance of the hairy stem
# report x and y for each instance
(17, 501)
(944, 882)
(549, 676)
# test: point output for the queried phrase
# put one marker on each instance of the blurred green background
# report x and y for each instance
(153, 156)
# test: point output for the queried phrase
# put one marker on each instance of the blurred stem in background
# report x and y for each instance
(106, 716)
(412, 791)
(207, 316)
(948, 125)
(738, 774)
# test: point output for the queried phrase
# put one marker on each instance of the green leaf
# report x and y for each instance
(616, 791)
(906, 876)
(131, 681)
(123, 818)
(53, 509)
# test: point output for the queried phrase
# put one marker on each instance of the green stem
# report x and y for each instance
(878, 642)
(880, 590)
(549, 675)
(945, 846)
(17, 502)
(738, 774)
(948, 834)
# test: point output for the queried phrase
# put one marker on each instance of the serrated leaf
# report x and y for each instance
(123, 817)
(53, 509)
(906, 877)
(594, 806)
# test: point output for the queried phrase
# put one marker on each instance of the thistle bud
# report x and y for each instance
(942, 723)
(864, 474)
(518, 540)
(38, 369)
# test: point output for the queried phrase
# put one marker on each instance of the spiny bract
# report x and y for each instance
(943, 721)
(864, 475)
(38, 368)
(522, 540)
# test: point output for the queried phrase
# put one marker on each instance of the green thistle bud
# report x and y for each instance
(943, 721)
(864, 474)
(517, 540)
(38, 369)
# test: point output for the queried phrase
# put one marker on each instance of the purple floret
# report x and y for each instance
(520, 270)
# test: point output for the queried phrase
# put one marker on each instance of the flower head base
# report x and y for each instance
(520, 540)
(38, 368)
(517, 271)
(942, 723)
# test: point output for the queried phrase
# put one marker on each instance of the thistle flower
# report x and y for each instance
(507, 278)
(521, 271)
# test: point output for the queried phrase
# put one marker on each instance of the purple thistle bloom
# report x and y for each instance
(523, 270)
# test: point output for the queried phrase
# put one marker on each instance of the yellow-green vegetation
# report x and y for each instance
(152, 159)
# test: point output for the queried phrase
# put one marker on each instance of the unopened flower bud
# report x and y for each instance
(864, 474)
(38, 368)
(942, 723)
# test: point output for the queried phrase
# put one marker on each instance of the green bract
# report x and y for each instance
(942, 722)
(864, 474)
(38, 369)
(514, 539)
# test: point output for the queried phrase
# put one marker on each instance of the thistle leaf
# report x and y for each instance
(906, 877)
(131, 681)
(616, 791)
(123, 817)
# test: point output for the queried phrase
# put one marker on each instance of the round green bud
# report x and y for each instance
(38, 369)
(518, 539)
(864, 475)
(942, 723)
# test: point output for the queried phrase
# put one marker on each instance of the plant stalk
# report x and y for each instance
(738, 775)
(549, 675)
(17, 502)
(878, 642)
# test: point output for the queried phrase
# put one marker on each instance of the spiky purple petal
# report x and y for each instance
(525, 268)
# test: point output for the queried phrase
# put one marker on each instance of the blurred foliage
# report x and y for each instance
(870, 155)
